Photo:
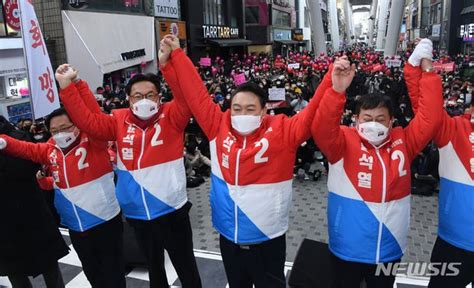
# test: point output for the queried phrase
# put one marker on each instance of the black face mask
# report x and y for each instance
(27, 128)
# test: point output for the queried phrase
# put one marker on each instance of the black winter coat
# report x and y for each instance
(30, 241)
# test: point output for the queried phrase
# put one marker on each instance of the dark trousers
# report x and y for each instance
(348, 274)
(100, 250)
(52, 278)
(261, 265)
(443, 252)
(171, 232)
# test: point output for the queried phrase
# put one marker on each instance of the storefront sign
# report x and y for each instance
(219, 32)
(280, 34)
(12, 14)
(297, 34)
(133, 54)
(467, 32)
(167, 8)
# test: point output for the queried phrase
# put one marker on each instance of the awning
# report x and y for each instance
(230, 42)
(467, 10)
(100, 43)
(287, 42)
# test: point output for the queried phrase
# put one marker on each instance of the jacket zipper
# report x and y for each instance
(67, 185)
(237, 166)
(139, 168)
(384, 194)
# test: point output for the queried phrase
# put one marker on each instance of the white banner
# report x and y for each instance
(294, 65)
(276, 94)
(393, 63)
(43, 92)
(167, 8)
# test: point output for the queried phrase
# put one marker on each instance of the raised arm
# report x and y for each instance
(326, 126)
(87, 96)
(429, 114)
(21, 149)
(412, 77)
(179, 108)
(207, 113)
(97, 125)
(297, 129)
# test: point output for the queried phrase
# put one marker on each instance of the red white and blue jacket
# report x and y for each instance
(150, 167)
(83, 179)
(455, 140)
(369, 187)
(251, 180)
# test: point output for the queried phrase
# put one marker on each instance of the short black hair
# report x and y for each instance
(373, 101)
(58, 112)
(253, 88)
(143, 78)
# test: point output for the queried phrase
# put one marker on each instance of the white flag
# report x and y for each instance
(43, 92)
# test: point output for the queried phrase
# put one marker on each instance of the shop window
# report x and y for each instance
(252, 15)
(214, 12)
(281, 18)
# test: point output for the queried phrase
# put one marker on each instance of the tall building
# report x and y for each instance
(271, 26)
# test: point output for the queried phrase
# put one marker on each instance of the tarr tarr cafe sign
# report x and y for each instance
(219, 32)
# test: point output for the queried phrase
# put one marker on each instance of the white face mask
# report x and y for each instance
(246, 124)
(373, 132)
(145, 109)
(65, 139)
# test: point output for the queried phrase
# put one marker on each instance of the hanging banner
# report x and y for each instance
(43, 91)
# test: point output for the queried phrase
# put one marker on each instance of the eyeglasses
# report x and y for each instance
(64, 129)
(149, 96)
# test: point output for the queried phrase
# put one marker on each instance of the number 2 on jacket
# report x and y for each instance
(82, 164)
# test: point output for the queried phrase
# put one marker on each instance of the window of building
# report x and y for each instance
(252, 15)
(435, 14)
(125, 6)
(281, 18)
(306, 17)
(214, 12)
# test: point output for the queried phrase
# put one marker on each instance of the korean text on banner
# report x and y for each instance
(43, 91)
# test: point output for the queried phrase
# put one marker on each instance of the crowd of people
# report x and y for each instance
(366, 122)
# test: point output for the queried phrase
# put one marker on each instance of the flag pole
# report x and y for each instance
(26, 59)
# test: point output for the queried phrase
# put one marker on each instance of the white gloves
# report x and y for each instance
(424, 50)
(3, 144)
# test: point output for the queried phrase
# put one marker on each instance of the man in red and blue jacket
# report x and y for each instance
(252, 161)
(455, 139)
(151, 184)
(369, 175)
(83, 182)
